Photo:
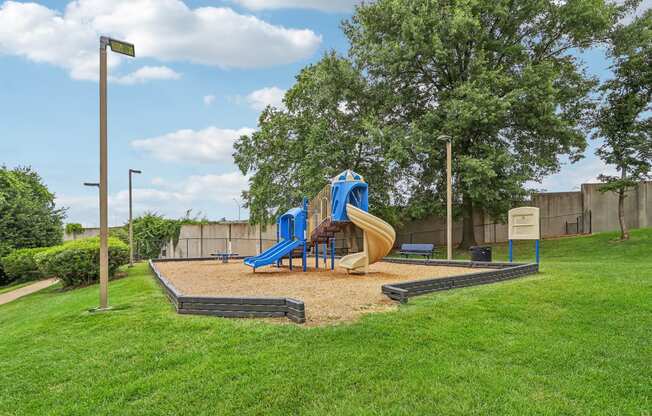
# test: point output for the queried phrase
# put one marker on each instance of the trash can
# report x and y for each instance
(480, 253)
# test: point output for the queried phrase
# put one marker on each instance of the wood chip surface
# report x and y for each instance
(330, 296)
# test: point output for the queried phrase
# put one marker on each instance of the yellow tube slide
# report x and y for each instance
(379, 239)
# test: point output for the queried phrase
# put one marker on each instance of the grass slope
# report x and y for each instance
(575, 339)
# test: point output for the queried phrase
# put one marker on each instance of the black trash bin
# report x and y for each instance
(480, 253)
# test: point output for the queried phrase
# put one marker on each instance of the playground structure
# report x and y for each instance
(342, 202)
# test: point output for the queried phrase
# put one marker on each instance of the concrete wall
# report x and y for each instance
(88, 232)
(201, 240)
(603, 207)
(562, 213)
(556, 210)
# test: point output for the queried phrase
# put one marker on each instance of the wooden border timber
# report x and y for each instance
(503, 271)
(230, 307)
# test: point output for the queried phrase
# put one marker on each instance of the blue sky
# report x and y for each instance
(203, 72)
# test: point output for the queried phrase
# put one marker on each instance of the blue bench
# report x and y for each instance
(224, 256)
(426, 250)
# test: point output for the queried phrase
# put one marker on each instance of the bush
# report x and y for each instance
(77, 262)
(20, 264)
(74, 228)
(121, 233)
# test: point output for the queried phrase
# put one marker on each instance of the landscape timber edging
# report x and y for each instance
(229, 307)
(401, 291)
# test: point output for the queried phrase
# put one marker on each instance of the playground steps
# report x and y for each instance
(326, 230)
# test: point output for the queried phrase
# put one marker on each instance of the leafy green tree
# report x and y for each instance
(329, 123)
(28, 215)
(74, 228)
(153, 231)
(623, 121)
(497, 76)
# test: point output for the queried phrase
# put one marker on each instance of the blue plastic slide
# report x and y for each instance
(274, 253)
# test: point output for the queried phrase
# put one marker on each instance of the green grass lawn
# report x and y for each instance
(575, 340)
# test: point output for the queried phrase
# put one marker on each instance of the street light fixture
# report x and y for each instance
(131, 228)
(449, 196)
(129, 50)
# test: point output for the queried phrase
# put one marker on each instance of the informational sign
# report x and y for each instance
(523, 223)
(124, 48)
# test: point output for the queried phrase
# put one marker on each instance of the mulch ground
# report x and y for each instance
(330, 296)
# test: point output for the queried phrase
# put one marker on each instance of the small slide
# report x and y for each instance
(273, 254)
(379, 240)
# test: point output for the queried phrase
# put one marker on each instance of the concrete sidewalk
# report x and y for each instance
(26, 290)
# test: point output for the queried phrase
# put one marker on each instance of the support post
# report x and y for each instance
(332, 253)
(304, 257)
(325, 253)
(104, 205)
(131, 227)
(317, 255)
(290, 256)
(449, 200)
(511, 253)
(537, 246)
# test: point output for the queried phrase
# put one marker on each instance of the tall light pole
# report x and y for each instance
(449, 196)
(125, 49)
(131, 227)
(238, 204)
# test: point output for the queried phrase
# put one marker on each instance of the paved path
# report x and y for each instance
(26, 290)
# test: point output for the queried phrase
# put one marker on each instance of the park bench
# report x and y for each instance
(224, 256)
(426, 250)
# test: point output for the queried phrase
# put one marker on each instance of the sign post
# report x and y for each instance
(523, 224)
(125, 49)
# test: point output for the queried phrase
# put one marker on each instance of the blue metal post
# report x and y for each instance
(537, 251)
(317, 255)
(290, 256)
(325, 253)
(332, 254)
(511, 254)
(304, 255)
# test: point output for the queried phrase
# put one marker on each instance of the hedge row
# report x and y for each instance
(20, 264)
(75, 263)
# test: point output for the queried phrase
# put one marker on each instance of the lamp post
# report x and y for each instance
(125, 49)
(449, 196)
(131, 227)
(238, 204)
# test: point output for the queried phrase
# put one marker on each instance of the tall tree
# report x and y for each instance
(497, 76)
(28, 215)
(623, 121)
(329, 124)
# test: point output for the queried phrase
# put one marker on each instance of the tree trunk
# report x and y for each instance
(624, 232)
(468, 228)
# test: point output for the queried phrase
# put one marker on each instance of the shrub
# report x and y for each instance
(121, 233)
(74, 228)
(77, 262)
(20, 264)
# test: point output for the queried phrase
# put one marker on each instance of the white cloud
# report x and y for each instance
(263, 97)
(209, 99)
(209, 145)
(324, 5)
(147, 73)
(166, 30)
(210, 194)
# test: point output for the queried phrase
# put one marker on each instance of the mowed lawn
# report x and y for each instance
(575, 340)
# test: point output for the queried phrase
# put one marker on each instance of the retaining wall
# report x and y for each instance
(230, 307)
